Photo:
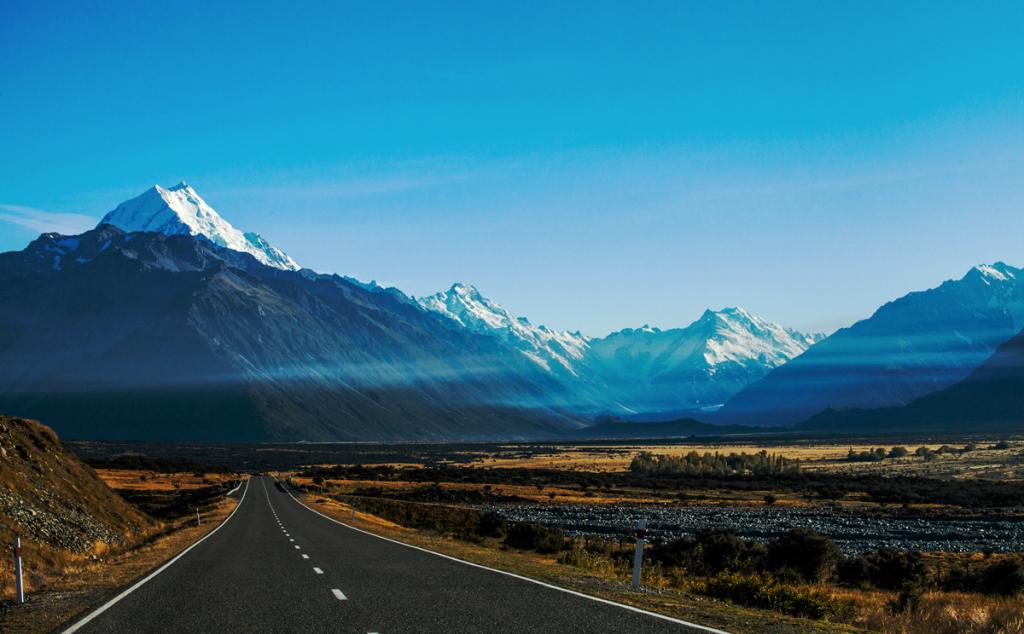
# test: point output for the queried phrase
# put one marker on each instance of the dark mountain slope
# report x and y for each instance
(990, 399)
(146, 336)
(920, 343)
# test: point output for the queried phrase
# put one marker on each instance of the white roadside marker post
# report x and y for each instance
(638, 557)
(17, 570)
(199, 522)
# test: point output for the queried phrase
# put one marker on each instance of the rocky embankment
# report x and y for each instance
(51, 499)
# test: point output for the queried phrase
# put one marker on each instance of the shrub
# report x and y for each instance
(711, 551)
(886, 569)
(492, 525)
(544, 540)
(762, 590)
(1004, 577)
(875, 455)
(898, 452)
(770, 499)
(810, 555)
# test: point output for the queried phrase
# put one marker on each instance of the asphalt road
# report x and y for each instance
(277, 566)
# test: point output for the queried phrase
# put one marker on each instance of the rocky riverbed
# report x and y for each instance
(853, 532)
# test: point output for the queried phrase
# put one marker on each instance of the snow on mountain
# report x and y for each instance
(557, 352)
(731, 335)
(181, 211)
(638, 369)
(920, 343)
(696, 367)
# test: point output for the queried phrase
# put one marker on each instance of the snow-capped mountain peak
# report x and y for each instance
(552, 350)
(733, 334)
(671, 369)
(179, 210)
(998, 271)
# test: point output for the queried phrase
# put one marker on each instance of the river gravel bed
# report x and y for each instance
(853, 533)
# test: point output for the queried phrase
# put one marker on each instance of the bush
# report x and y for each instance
(762, 590)
(1004, 577)
(898, 452)
(492, 525)
(885, 569)
(875, 455)
(544, 540)
(808, 554)
(711, 551)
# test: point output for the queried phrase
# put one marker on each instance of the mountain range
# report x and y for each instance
(917, 344)
(165, 322)
(171, 337)
(991, 398)
(637, 370)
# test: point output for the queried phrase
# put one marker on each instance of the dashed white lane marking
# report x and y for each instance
(291, 540)
(305, 556)
(297, 547)
(317, 570)
(662, 617)
(338, 595)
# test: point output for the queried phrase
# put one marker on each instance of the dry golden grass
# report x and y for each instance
(983, 462)
(946, 613)
(562, 495)
(134, 480)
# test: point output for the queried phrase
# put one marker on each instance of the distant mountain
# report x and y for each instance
(557, 352)
(181, 211)
(915, 345)
(171, 337)
(692, 368)
(637, 370)
(990, 399)
(608, 428)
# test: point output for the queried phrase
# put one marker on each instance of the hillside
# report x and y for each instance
(146, 336)
(915, 345)
(53, 500)
(991, 398)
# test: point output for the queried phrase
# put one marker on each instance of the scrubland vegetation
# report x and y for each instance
(799, 574)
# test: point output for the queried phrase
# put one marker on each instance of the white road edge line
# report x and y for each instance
(106, 606)
(339, 595)
(663, 617)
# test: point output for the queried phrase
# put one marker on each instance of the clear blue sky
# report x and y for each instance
(591, 165)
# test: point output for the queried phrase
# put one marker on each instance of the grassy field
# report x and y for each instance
(983, 462)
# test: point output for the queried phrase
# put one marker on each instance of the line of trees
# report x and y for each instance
(694, 463)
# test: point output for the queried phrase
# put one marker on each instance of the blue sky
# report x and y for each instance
(591, 165)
